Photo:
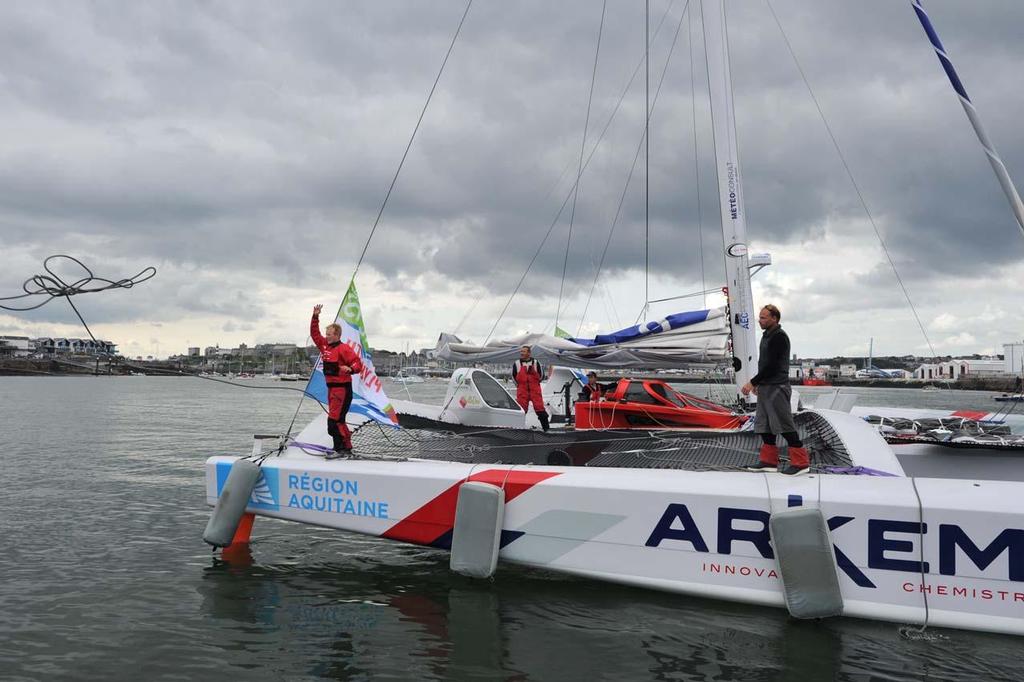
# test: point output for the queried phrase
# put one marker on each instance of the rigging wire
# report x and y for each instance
(579, 171)
(629, 177)
(394, 180)
(702, 292)
(469, 312)
(547, 195)
(412, 137)
(921, 562)
(590, 156)
(609, 301)
(849, 173)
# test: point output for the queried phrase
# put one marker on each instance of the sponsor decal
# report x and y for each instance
(333, 495)
(739, 569)
(962, 592)
(743, 319)
(737, 250)
(733, 181)
(265, 495)
(889, 543)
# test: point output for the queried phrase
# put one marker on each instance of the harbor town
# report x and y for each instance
(21, 355)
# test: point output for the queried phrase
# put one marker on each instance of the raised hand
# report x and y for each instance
(317, 308)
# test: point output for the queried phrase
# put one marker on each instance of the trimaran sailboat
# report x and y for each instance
(672, 510)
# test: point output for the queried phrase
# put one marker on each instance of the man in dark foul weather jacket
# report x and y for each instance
(527, 373)
(340, 363)
(771, 385)
(593, 391)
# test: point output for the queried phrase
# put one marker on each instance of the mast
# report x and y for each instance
(730, 192)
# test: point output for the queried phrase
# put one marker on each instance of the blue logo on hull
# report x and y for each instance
(266, 494)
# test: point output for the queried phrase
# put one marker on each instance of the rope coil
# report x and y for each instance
(52, 285)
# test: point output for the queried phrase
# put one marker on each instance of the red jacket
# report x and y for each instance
(340, 361)
(527, 375)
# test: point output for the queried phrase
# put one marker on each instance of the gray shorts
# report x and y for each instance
(773, 410)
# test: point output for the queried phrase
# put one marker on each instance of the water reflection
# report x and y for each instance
(104, 571)
(375, 622)
(419, 621)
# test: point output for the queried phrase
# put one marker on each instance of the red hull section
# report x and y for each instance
(816, 382)
(650, 404)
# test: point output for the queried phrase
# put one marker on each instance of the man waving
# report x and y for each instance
(340, 363)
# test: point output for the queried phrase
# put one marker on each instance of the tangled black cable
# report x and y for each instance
(52, 285)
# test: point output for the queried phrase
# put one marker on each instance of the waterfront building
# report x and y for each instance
(16, 346)
(985, 367)
(1013, 358)
(964, 367)
(48, 346)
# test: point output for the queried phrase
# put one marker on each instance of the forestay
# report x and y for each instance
(690, 337)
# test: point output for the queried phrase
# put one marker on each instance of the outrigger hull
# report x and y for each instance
(697, 533)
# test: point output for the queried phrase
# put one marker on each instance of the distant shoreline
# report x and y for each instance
(83, 366)
(121, 367)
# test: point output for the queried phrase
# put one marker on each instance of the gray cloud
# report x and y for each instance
(240, 144)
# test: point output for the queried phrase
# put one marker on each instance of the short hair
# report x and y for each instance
(591, 374)
(773, 311)
(524, 348)
(334, 325)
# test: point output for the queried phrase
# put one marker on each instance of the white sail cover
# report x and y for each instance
(683, 338)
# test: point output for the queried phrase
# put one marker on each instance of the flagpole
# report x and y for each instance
(972, 116)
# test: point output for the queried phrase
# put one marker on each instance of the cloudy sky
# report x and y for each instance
(244, 150)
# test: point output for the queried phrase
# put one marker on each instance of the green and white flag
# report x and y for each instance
(368, 396)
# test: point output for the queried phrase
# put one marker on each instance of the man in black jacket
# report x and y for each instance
(771, 386)
(593, 391)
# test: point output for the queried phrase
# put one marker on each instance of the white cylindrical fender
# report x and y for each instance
(231, 504)
(476, 537)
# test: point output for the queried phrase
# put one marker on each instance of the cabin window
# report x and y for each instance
(636, 393)
(674, 398)
(492, 392)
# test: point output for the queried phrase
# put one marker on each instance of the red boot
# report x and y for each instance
(799, 462)
(768, 459)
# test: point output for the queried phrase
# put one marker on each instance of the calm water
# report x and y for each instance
(104, 575)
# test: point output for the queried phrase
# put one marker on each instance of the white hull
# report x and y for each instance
(697, 533)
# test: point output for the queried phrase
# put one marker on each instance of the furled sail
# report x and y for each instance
(691, 337)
